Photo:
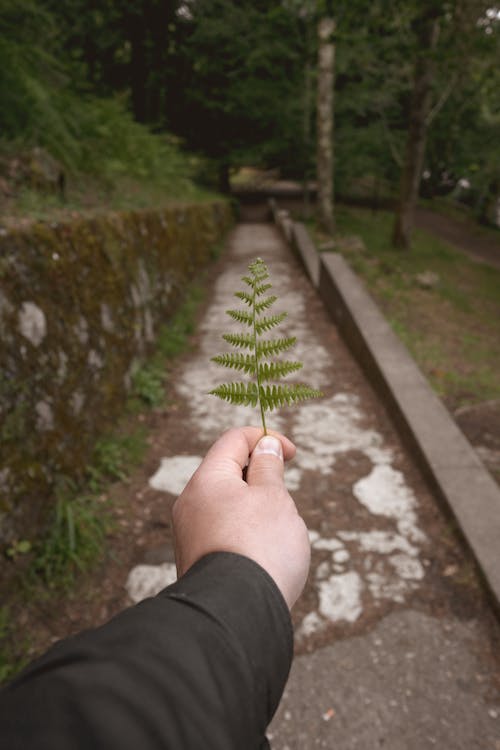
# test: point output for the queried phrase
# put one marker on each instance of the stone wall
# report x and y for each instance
(80, 304)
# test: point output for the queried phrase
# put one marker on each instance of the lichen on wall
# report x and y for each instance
(80, 303)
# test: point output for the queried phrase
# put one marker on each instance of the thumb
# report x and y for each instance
(266, 465)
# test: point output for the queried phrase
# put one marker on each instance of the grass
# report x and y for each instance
(89, 196)
(451, 329)
(449, 206)
(82, 516)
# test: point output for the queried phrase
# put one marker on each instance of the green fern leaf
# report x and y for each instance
(236, 361)
(242, 316)
(277, 370)
(260, 290)
(245, 297)
(270, 348)
(251, 393)
(274, 396)
(265, 324)
(265, 304)
(245, 394)
(242, 340)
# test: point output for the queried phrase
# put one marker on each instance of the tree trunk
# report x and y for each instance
(135, 24)
(307, 136)
(427, 37)
(324, 169)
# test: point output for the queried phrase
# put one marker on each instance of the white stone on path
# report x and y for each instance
(385, 492)
(174, 473)
(340, 597)
(327, 429)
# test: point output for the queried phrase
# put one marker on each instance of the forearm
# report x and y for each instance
(202, 665)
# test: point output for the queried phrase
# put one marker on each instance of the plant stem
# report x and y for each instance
(256, 358)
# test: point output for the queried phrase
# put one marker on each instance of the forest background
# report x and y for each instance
(141, 100)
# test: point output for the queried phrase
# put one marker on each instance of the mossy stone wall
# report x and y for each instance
(80, 303)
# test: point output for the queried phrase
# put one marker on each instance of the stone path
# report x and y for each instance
(395, 645)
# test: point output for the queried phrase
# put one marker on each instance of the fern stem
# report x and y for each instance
(256, 355)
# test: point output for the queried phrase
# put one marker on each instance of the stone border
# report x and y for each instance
(445, 455)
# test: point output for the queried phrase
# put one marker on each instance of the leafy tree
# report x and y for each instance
(235, 82)
(463, 138)
(449, 39)
(46, 101)
(30, 74)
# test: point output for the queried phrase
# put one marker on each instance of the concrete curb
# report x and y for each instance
(445, 455)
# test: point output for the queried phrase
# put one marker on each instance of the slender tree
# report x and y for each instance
(427, 28)
(326, 68)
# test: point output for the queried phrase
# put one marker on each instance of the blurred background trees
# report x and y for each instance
(117, 87)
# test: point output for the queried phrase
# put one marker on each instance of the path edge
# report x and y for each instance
(444, 454)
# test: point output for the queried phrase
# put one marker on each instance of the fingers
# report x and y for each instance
(266, 466)
(235, 446)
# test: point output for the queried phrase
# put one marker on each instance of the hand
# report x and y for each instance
(219, 511)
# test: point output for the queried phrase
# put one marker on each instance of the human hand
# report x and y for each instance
(219, 511)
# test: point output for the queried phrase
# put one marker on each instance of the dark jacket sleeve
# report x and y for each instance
(201, 665)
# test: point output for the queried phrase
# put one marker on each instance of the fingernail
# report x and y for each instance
(269, 444)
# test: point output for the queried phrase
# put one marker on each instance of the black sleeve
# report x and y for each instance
(201, 665)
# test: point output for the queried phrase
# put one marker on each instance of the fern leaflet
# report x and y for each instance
(254, 393)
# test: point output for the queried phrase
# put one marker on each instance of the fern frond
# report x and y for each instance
(236, 361)
(258, 269)
(251, 393)
(242, 316)
(245, 297)
(265, 304)
(242, 340)
(273, 347)
(277, 370)
(256, 284)
(260, 290)
(265, 324)
(274, 396)
(243, 394)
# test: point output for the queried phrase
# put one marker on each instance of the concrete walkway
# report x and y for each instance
(396, 646)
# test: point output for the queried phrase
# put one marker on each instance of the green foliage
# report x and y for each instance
(148, 384)
(46, 102)
(149, 380)
(75, 536)
(173, 337)
(237, 68)
(254, 392)
(30, 74)
(113, 457)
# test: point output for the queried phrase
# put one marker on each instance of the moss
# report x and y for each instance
(106, 285)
